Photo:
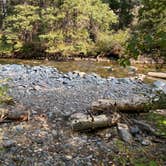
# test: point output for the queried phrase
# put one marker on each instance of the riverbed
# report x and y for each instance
(51, 96)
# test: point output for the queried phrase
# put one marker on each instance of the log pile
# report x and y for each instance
(106, 113)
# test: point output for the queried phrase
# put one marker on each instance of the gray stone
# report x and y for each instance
(19, 128)
(146, 142)
(161, 85)
(54, 132)
(124, 132)
(8, 143)
(132, 68)
(134, 130)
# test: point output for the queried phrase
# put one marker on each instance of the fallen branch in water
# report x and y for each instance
(157, 74)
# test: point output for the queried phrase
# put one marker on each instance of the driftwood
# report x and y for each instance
(87, 122)
(157, 74)
(107, 105)
(9, 116)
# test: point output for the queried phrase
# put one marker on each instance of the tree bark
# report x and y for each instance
(109, 105)
(100, 121)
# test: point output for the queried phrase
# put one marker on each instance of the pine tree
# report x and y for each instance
(150, 34)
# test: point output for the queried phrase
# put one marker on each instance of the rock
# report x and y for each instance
(132, 68)
(81, 74)
(139, 77)
(134, 130)
(161, 85)
(19, 128)
(69, 157)
(109, 68)
(95, 75)
(54, 132)
(146, 142)
(144, 127)
(124, 132)
(105, 133)
(8, 143)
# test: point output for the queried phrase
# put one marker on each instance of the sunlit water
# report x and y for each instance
(104, 69)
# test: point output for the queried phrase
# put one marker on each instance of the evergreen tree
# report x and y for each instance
(72, 29)
(20, 28)
(124, 9)
(150, 34)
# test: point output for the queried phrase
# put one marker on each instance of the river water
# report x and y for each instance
(104, 69)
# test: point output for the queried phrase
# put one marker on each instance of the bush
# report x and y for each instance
(112, 43)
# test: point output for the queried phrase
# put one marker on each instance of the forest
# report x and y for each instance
(75, 28)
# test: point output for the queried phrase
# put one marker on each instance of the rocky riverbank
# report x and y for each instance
(51, 97)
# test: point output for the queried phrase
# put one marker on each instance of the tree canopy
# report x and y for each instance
(149, 35)
(76, 27)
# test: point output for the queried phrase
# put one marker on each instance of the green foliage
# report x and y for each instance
(68, 27)
(124, 9)
(112, 42)
(19, 28)
(160, 122)
(74, 29)
(150, 34)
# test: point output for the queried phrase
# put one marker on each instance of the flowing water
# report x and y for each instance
(104, 69)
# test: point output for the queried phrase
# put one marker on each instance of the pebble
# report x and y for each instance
(54, 133)
(134, 130)
(8, 143)
(124, 132)
(58, 96)
(146, 142)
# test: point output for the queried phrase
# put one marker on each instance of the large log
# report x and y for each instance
(157, 74)
(87, 122)
(109, 105)
(9, 116)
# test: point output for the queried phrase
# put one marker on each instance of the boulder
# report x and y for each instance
(124, 132)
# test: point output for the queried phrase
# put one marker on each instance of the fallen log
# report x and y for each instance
(157, 74)
(128, 105)
(9, 116)
(108, 105)
(87, 122)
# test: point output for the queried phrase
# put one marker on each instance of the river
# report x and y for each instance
(104, 69)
